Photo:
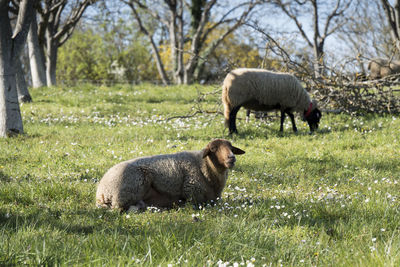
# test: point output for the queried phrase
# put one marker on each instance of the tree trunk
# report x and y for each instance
(317, 42)
(181, 45)
(174, 39)
(159, 64)
(51, 61)
(393, 19)
(175, 28)
(36, 57)
(22, 88)
(188, 77)
(319, 61)
(10, 116)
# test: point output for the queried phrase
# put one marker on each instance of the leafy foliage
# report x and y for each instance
(83, 58)
(90, 56)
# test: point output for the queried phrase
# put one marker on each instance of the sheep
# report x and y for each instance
(263, 90)
(379, 67)
(164, 181)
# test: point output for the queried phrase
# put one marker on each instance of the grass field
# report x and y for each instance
(328, 199)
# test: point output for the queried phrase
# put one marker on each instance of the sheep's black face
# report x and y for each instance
(313, 119)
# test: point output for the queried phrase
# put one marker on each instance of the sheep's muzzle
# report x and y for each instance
(230, 161)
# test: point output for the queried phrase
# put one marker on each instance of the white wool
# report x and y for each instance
(162, 180)
(259, 89)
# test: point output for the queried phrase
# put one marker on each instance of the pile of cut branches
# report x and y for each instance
(358, 97)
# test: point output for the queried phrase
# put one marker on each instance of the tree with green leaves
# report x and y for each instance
(82, 58)
(91, 53)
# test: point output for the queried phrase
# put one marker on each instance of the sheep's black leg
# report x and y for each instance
(248, 115)
(291, 116)
(232, 120)
(282, 120)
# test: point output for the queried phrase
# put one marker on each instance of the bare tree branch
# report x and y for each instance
(143, 29)
(294, 18)
(147, 9)
(318, 41)
(183, 71)
(196, 39)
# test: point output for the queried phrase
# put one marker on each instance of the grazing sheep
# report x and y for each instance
(263, 90)
(379, 67)
(167, 180)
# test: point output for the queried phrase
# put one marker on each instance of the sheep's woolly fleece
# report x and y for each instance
(244, 87)
(164, 180)
(380, 67)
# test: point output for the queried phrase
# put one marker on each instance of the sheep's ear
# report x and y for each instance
(237, 151)
(209, 149)
(206, 152)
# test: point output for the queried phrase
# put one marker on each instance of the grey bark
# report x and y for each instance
(393, 18)
(10, 48)
(22, 88)
(51, 61)
(55, 28)
(36, 57)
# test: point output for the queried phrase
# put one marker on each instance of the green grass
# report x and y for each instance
(328, 199)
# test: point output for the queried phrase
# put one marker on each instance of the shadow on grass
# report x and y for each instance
(319, 215)
(337, 222)
(41, 219)
(262, 129)
(4, 178)
(267, 132)
(87, 222)
(43, 100)
(32, 136)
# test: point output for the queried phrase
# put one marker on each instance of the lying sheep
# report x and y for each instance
(263, 90)
(166, 180)
(379, 67)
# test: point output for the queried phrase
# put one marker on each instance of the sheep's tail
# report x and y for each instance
(227, 105)
(102, 203)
